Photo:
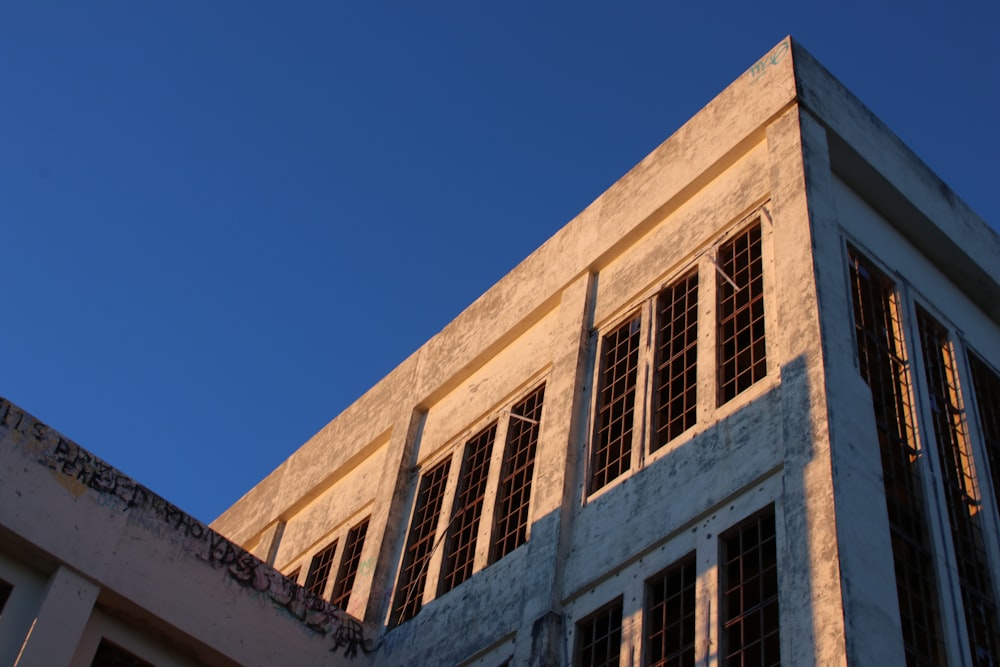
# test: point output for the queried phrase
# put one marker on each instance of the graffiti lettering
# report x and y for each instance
(773, 58)
(67, 459)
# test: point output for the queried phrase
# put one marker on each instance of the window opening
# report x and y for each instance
(599, 637)
(294, 575)
(612, 448)
(675, 391)
(349, 562)
(420, 543)
(741, 346)
(670, 622)
(319, 569)
(514, 494)
(110, 654)
(883, 366)
(749, 576)
(460, 547)
(986, 382)
(960, 491)
(5, 589)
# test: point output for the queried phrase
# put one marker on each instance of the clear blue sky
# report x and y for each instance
(222, 222)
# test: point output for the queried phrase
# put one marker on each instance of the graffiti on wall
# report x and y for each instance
(80, 471)
(771, 59)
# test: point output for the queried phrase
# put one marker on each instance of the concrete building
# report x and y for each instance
(744, 409)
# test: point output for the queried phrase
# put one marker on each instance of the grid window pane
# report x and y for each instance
(612, 442)
(599, 638)
(511, 526)
(987, 385)
(882, 363)
(741, 348)
(670, 600)
(675, 391)
(460, 547)
(960, 491)
(349, 562)
(419, 544)
(319, 569)
(749, 589)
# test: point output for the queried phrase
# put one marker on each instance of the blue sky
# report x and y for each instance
(222, 222)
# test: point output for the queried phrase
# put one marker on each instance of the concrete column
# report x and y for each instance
(810, 587)
(66, 606)
(540, 638)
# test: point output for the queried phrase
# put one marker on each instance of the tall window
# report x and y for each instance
(987, 385)
(460, 547)
(961, 493)
(420, 543)
(319, 569)
(612, 450)
(883, 366)
(599, 638)
(741, 348)
(511, 526)
(669, 625)
(749, 586)
(675, 390)
(349, 562)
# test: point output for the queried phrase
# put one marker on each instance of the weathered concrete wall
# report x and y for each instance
(784, 145)
(100, 540)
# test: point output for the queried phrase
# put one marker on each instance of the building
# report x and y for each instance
(743, 409)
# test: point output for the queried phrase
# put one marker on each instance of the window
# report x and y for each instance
(986, 382)
(349, 565)
(749, 587)
(883, 366)
(460, 547)
(499, 534)
(511, 526)
(599, 637)
(612, 450)
(961, 493)
(294, 575)
(319, 569)
(741, 349)
(669, 625)
(675, 391)
(419, 543)
(5, 590)
(112, 655)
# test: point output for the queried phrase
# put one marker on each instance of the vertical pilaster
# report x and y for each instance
(66, 606)
(812, 618)
(540, 639)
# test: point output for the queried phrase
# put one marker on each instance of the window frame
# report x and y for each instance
(708, 408)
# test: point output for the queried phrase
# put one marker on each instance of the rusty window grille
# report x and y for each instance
(460, 545)
(319, 569)
(420, 543)
(612, 442)
(293, 576)
(110, 654)
(961, 493)
(599, 637)
(675, 390)
(741, 346)
(5, 589)
(986, 383)
(510, 528)
(349, 562)
(883, 366)
(749, 588)
(670, 625)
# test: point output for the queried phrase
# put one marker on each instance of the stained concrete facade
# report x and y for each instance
(787, 445)
(785, 147)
